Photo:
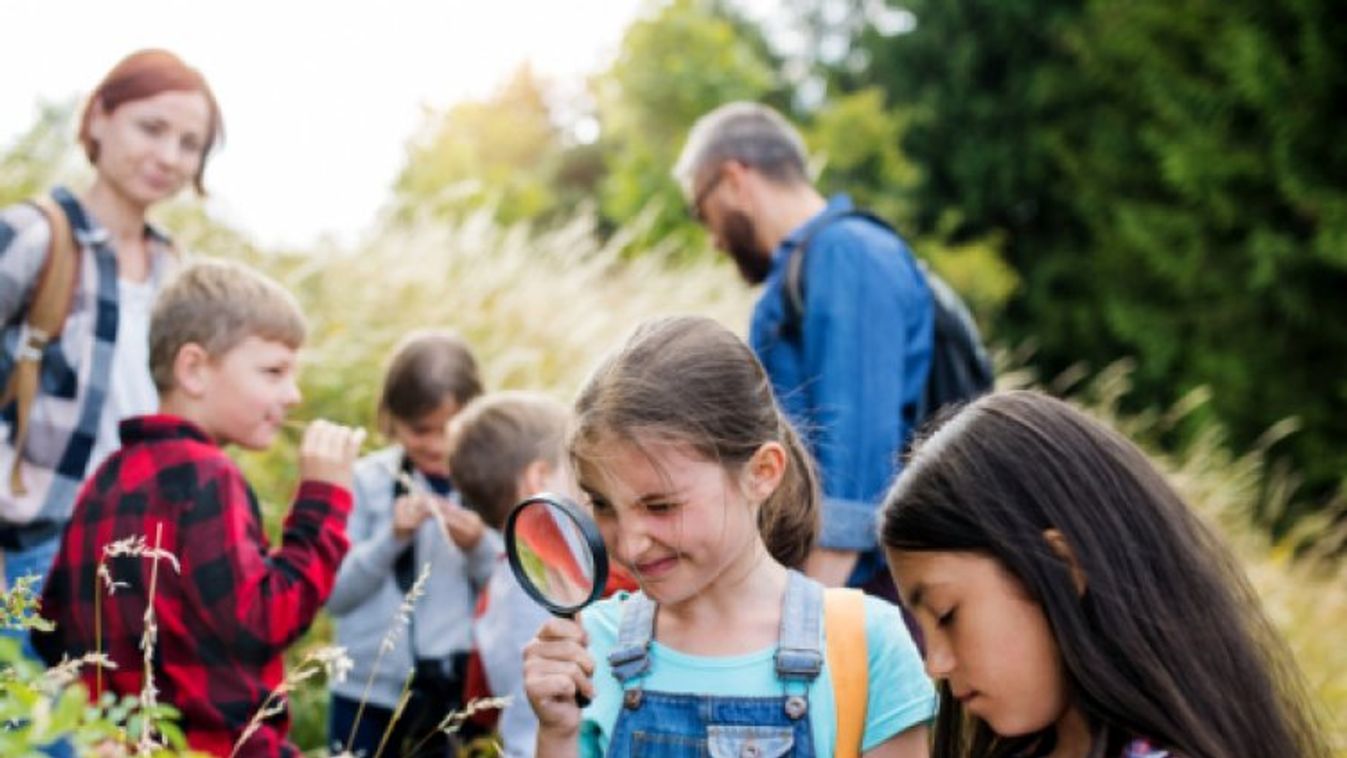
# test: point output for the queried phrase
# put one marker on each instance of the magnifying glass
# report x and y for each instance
(557, 555)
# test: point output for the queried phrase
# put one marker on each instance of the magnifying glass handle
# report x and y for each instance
(580, 698)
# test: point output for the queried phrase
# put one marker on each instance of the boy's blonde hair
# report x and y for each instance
(218, 304)
(494, 439)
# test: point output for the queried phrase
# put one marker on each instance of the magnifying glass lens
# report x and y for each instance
(554, 554)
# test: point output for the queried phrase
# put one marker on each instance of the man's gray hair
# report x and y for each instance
(750, 133)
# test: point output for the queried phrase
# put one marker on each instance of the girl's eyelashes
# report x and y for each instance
(660, 506)
(946, 618)
(597, 503)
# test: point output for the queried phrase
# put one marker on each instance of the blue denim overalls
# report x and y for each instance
(668, 725)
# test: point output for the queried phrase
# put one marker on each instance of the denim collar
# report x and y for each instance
(837, 205)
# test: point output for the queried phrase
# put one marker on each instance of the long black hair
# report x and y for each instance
(1167, 642)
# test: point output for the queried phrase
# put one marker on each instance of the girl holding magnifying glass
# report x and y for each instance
(702, 490)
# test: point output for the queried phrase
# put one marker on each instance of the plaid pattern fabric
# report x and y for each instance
(76, 370)
(224, 621)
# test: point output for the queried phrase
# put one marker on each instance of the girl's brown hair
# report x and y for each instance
(143, 74)
(1168, 641)
(691, 380)
(427, 368)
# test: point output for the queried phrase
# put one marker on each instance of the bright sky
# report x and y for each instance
(319, 98)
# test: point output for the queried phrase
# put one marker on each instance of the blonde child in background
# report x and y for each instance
(395, 533)
(224, 344)
(502, 449)
(703, 490)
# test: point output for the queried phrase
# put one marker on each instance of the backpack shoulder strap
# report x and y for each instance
(55, 289)
(52, 297)
(848, 665)
(794, 283)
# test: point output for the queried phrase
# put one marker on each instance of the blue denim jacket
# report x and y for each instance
(864, 354)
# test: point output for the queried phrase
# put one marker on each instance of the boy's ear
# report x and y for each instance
(765, 470)
(1062, 549)
(190, 370)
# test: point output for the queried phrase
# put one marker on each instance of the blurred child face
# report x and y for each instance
(148, 149)
(985, 637)
(426, 439)
(248, 391)
(677, 522)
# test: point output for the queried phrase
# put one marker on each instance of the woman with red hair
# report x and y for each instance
(147, 129)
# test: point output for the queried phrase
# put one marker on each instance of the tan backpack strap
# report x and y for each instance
(52, 297)
(848, 665)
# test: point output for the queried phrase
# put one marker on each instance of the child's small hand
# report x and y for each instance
(409, 512)
(556, 668)
(328, 453)
(465, 527)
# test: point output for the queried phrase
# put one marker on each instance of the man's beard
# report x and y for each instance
(741, 242)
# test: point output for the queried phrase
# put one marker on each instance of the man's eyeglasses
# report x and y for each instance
(695, 209)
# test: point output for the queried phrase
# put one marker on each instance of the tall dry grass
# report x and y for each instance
(540, 308)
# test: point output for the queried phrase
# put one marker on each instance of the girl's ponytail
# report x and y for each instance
(789, 519)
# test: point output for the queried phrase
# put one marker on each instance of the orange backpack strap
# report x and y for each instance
(848, 665)
(52, 297)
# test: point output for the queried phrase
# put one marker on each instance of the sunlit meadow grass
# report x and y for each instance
(539, 309)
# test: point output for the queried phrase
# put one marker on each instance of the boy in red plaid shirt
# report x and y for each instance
(223, 353)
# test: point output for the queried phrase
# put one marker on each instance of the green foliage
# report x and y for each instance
(1166, 179)
(686, 58)
(1218, 185)
(502, 152)
(858, 139)
(36, 158)
(42, 706)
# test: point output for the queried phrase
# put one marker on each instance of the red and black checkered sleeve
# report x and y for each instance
(258, 601)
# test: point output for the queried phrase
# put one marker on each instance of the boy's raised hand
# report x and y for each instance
(557, 667)
(328, 453)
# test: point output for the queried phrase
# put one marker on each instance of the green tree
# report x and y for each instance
(685, 59)
(503, 151)
(38, 157)
(1167, 178)
(1212, 187)
(857, 140)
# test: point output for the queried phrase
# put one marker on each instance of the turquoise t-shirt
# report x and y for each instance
(900, 694)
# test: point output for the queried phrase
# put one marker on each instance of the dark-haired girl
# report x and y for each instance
(1072, 605)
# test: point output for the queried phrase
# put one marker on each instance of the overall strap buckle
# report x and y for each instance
(631, 656)
(800, 656)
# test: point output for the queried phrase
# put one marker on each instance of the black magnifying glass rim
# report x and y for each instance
(593, 540)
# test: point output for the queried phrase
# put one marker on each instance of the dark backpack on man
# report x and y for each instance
(960, 369)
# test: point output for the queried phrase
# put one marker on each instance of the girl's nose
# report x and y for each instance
(939, 657)
(632, 540)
